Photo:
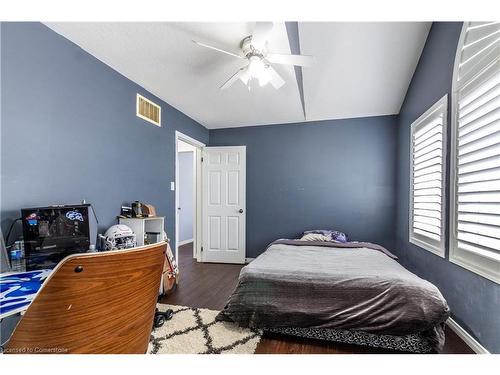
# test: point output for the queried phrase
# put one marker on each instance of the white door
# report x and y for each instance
(224, 204)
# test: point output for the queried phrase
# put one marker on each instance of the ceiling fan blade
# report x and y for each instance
(276, 79)
(260, 34)
(218, 49)
(241, 72)
(300, 60)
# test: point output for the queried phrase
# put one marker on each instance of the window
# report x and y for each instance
(427, 158)
(475, 151)
(147, 110)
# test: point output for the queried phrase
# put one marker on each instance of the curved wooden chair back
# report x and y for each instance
(94, 303)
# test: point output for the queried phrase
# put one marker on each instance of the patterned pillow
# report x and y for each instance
(332, 235)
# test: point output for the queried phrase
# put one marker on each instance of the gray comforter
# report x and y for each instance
(296, 284)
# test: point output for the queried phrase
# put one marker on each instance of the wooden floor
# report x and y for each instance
(209, 286)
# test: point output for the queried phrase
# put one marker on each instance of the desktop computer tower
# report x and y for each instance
(52, 233)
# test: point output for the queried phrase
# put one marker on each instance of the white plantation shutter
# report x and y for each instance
(475, 164)
(427, 158)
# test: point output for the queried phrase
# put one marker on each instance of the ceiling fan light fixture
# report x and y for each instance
(245, 76)
(256, 66)
(258, 69)
(264, 77)
(254, 49)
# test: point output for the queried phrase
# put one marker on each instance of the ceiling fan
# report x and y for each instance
(259, 59)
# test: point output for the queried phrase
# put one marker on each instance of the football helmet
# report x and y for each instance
(119, 237)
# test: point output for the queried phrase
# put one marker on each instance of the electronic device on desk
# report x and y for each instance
(126, 211)
(54, 232)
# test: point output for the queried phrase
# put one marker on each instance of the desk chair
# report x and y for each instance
(94, 303)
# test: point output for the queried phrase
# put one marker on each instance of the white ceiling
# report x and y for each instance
(361, 69)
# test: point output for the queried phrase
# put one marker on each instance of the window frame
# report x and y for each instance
(474, 263)
(436, 249)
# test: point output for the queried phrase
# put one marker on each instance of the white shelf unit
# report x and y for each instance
(142, 225)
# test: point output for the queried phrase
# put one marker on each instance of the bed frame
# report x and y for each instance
(414, 343)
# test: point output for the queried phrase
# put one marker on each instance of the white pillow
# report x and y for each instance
(314, 237)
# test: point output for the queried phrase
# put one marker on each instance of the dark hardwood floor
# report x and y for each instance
(208, 285)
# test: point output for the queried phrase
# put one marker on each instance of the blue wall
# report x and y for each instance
(186, 191)
(330, 174)
(69, 131)
(474, 300)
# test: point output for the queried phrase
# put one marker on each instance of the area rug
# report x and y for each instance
(195, 331)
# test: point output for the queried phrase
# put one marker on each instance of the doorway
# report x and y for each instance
(210, 202)
(187, 194)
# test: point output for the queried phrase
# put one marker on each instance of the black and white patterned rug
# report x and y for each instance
(195, 331)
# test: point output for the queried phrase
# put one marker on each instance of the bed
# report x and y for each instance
(352, 292)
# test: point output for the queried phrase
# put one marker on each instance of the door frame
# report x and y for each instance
(197, 225)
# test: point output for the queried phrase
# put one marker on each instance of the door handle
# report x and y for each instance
(240, 210)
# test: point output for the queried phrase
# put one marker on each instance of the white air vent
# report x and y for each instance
(147, 110)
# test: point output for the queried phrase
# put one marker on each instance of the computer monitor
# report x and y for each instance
(52, 233)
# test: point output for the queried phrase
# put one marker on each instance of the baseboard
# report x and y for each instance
(248, 260)
(185, 242)
(468, 339)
